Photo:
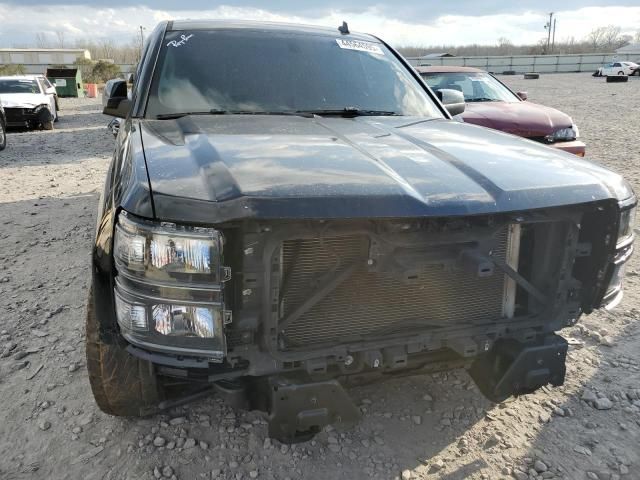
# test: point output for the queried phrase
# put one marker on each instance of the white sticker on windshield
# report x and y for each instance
(359, 45)
(178, 43)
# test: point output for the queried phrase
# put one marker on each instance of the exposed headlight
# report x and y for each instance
(625, 227)
(187, 321)
(167, 253)
(169, 294)
(564, 134)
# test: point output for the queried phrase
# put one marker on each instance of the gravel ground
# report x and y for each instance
(430, 426)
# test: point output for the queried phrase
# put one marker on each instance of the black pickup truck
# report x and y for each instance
(291, 208)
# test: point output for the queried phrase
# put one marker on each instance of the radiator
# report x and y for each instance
(370, 305)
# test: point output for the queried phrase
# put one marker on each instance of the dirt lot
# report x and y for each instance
(435, 426)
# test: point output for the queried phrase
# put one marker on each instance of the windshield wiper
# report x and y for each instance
(482, 99)
(351, 112)
(173, 116)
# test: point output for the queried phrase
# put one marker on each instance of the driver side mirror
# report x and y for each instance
(453, 100)
(114, 98)
(522, 95)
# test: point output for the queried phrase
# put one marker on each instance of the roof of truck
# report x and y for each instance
(273, 26)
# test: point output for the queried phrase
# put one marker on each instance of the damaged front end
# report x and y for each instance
(28, 116)
(315, 302)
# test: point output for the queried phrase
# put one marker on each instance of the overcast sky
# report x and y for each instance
(401, 22)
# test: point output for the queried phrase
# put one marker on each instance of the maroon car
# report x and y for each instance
(492, 104)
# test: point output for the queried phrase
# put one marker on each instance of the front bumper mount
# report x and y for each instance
(513, 368)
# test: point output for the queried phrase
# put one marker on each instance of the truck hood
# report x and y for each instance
(23, 100)
(218, 168)
(524, 119)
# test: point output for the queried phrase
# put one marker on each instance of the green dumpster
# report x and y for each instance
(68, 81)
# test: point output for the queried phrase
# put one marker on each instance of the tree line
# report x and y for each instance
(604, 39)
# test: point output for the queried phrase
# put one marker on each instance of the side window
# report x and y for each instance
(42, 86)
(453, 82)
(464, 85)
(617, 65)
(432, 80)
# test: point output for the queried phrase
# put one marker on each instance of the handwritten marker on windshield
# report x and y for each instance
(183, 39)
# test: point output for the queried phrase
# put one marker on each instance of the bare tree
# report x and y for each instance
(42, 40)
(106, 49)
(504, 46)
(607, 38)
(611, 37)
(60, 37)
(596, 37)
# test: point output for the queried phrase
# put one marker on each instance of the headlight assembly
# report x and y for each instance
(624, 250)
(564, 135)
(169, 293)
(625, 225)
(166, 252)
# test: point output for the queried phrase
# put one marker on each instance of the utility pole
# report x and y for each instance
(141, 37)
(548, 27)
(553, 41)
(141, 40)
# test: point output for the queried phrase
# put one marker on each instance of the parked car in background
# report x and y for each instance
(3, 128)
(27, 102)
(490, 103)
(618, 68)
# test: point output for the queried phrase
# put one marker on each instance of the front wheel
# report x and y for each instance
(48, 125)
(620, 73)
(122, 385)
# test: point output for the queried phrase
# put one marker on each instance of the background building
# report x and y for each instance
(632, 49)
(37, 60)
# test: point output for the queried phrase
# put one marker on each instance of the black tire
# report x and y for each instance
(531, 76)
(620, 73)
(3, 136)
(48, 125)
(617, 79)
(122, 385)
(509, 72)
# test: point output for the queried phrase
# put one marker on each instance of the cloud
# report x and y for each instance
(410, 11)
(409, 23)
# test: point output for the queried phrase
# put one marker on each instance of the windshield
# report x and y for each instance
(475, 86)
(19, 86)
(247, 71)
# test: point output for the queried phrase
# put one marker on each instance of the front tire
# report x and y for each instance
(48, 125)
(122, 385)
